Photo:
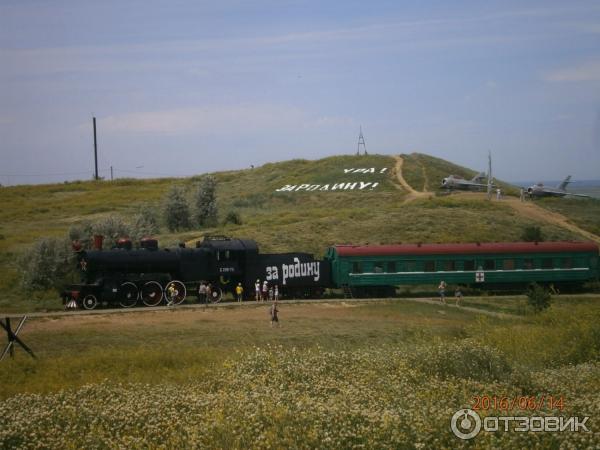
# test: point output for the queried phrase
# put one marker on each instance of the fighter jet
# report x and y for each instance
(456, 182)
(479, 182)
(539, 190)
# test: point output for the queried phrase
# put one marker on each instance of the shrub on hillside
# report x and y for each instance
(232, 217)
(532, 234)
(47, 264)
(205, 202)
(112, 228)
(176, 211)
(538, 297)
(145, 223)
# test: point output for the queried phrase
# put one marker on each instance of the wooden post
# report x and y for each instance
(12, 338)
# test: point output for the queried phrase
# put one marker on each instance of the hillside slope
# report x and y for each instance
(296, 205)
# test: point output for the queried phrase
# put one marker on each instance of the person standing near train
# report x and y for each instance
(257, 290)
(274, 311)
(458, 295)
(202, 292)
(239, 291)
(442, 291)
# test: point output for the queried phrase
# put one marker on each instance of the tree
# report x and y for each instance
(145, 223)
(112, 228)
(205, 202)
(538, 297)
(46, 264)
(532, 234)
(176, 211)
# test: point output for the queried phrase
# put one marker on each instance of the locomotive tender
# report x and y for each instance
(123, 276)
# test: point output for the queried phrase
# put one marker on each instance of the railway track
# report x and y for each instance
(249, 304)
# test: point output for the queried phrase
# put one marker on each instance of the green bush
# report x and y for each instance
(49, 263)
(532, 234)
(538, 297)
(145, 223)
(176, 211)
(232, 217)
(205, 202)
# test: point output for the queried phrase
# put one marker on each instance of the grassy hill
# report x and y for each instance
(325, 206)
(425, 173)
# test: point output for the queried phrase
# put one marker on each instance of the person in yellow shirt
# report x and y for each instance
(239, 290)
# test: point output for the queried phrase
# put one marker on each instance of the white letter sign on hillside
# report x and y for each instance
(343, 186)
(364, 170)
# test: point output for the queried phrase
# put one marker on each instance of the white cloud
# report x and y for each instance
(589, 71)
(216, 120)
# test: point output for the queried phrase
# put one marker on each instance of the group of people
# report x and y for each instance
(458, 295)
(205, 292)
(265, 291)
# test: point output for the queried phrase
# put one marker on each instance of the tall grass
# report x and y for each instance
(564, 334)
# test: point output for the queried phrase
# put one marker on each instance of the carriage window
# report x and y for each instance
(547, 263)
(528, 263)
(508, 264)
(391, 266)
(469, 264)
(356, 267)
(378, 268)
(489, 264)
(429, 266)
(411, 266)
(449, 266)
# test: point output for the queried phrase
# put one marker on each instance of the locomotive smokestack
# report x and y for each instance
(98, 240)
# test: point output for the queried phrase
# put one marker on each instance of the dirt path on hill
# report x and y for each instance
(532, 211)
(412, 193)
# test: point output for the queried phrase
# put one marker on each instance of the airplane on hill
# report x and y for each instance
(456, 182)
(539, 190)
(477, 183)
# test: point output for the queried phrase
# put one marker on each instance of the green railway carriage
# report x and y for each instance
(488, 265)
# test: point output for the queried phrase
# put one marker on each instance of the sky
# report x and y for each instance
(187, 87)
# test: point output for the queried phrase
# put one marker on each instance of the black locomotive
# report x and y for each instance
(125, 276)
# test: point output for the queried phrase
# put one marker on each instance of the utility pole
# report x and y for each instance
(111, 173)
(361, 141)
(490, 179)
(95, 152)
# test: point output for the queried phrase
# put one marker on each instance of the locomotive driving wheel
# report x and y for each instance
(175, 292)
(216, 294)
(152, 293)
(90, 302)
(128, 294)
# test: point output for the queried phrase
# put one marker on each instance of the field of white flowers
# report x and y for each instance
(271, 397)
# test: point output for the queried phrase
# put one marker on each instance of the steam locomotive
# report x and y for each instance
(124, 276)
